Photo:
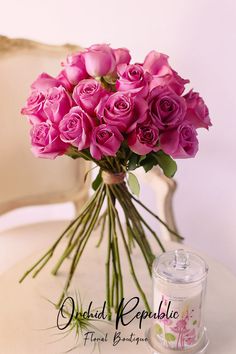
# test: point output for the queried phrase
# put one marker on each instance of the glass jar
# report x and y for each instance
(179, 287)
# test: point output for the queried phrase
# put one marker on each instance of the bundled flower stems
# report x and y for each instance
(120, 116)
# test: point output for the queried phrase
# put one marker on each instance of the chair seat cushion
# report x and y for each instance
(20, 242)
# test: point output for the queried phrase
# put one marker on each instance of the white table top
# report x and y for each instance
(24, 312)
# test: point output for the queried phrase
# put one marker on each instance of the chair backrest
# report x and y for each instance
(25, 180)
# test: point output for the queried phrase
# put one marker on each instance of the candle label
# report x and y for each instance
(178, 325)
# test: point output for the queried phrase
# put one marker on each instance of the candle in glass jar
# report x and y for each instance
(179, 283)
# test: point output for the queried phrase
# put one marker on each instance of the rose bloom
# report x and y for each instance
(44, 82)
(167, 109)
(157, 64)
(123, 111)
(122, 56)
(57, 104)
(106, 140)
(46, 142)
(76, 128)
(62, 78)
(133, 79)
(34, 107)
(88, 94)
(74, 68)
(99, 60)
(143, 139)
(181, 142)
(197, 111)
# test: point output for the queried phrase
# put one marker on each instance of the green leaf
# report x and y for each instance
(98, 180)
(87, 173)
(133, 161)
(133, 184)
(167, 164)
(170, 337)
(141, 158)
(194, 322)
(148, 162)
(158, 329)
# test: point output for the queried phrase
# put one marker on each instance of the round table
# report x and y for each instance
(26, 313)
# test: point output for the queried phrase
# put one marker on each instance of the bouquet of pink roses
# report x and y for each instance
(121, 116)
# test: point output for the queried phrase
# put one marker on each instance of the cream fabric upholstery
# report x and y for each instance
(24, 179)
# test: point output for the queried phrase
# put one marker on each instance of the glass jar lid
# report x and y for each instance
(180, 266)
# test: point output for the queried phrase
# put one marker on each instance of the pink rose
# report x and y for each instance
(181, 142)
(122, 56)
(34, 107)
(57, 104)
(88, 94)
(99, 60)
(106, 141)
(46, 142)
(62, 78)
(167, 109)
(76, 128)
(133, 79)
(157, 64)
(44, 82)
(197, 111)
(173, 80)
(74, 68)
(144, 139)
(123, 111)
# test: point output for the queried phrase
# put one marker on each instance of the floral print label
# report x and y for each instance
(178, 325)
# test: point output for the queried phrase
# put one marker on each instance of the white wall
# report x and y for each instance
(200, 37)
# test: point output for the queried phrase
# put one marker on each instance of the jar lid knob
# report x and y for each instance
(181, 260)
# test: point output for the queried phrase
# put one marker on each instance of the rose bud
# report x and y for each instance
(122, 56)
(157, 65)
(74, 68)
(44, 82)
(99, 60)
(197, 111)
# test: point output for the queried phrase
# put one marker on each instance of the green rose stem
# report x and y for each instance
(139, 217)
(93, 206)
(104, 217)
(115, 248)
(80, 244)
(51, 250)
(131, 263)
(80, 230)
(109, 296)
(134, 216)
(153, 214)
(136, 232)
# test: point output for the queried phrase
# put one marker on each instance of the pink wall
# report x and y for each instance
(200, 38)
